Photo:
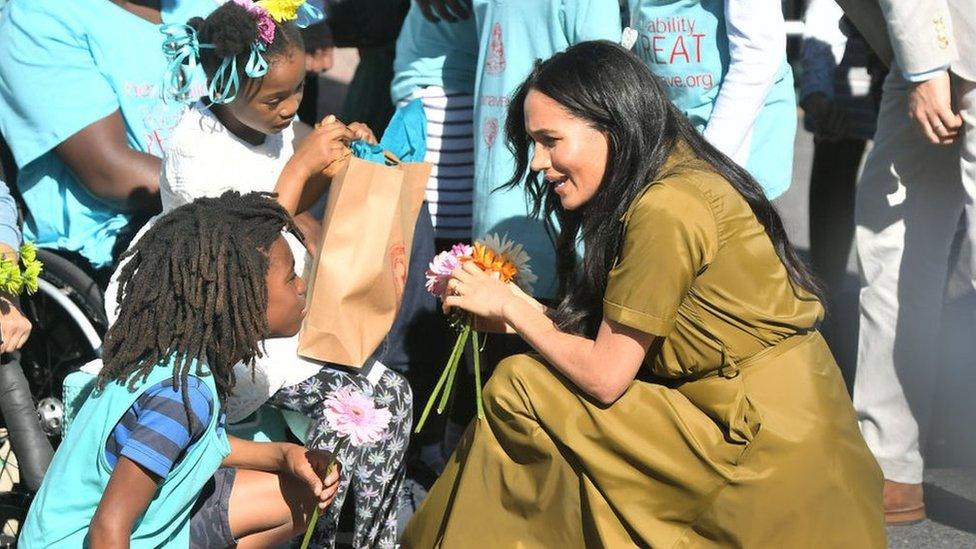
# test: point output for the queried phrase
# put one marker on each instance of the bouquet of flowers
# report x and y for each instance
(493, 254)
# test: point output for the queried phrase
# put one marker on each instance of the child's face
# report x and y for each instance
(269, 104)
(286, 292)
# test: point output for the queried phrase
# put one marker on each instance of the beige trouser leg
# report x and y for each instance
(910, 199)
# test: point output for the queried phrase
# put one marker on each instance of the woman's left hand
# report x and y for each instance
(477, 292)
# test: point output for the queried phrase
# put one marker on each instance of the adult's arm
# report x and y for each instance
(917, 36)
(921, 36)
(122, 178)
(757, 50)
(602, 367)
(14, 326)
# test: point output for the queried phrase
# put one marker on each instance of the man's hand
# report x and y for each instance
(319, 60)
(448, 10)
(930, 106)
(829, 119)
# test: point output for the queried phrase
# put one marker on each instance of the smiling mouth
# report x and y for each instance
(558, 183)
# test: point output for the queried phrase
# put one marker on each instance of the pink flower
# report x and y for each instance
(352, 414)
(263, 19)
(440, 268)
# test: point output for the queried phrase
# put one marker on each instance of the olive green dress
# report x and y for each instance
(739, 433)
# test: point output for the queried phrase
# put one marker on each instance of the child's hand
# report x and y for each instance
(310, 466)
(328, 143)
(362, 132)
(14, 326)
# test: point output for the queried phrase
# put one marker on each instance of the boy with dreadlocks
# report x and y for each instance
(148, 460)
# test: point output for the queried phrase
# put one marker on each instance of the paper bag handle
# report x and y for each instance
(391, 159)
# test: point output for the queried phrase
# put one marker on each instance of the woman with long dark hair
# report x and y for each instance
(681, 395)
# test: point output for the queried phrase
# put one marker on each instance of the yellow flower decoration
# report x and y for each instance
(282, 10)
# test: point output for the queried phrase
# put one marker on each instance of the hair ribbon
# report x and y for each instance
(182, 50)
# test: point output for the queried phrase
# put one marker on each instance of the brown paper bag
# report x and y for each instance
(360, 268)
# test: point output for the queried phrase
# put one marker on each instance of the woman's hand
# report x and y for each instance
(310, 466)
(14, 326)
(479, 293)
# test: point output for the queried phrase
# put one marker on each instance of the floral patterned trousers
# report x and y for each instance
(373, 474)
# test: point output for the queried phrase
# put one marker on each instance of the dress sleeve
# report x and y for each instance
(670, 236)
(50, 85)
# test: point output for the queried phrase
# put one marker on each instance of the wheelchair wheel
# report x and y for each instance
(69, 321)
(14, 501)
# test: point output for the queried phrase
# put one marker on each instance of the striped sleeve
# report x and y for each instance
(158, 429)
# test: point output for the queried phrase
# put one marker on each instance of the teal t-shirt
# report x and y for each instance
(685, 43)
(440, 54)
(61, 513)
(65, 64)
(513, 34)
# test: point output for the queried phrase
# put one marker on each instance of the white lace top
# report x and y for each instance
(206, 159)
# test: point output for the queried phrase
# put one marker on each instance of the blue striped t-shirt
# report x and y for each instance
(156, 431)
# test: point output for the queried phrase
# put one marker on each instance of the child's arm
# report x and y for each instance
(282, 457)
(129, 491)
(302, 182)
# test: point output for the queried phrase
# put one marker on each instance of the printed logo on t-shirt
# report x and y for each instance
(495, 64)
(159, 116)
(490, 131)
(672, 45)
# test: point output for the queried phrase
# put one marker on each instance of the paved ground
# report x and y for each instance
(951, 481)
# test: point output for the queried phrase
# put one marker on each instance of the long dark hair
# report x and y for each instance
(612, 90)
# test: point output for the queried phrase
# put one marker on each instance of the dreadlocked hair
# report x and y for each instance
(193, 289)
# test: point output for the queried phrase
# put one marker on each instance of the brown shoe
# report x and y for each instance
(903, 503)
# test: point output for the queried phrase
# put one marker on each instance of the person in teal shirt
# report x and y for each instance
(82, 110)
(723, 63)
(435, 63)
(513, 35)
(130, 472)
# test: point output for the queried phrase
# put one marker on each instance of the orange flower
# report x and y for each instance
(492, 262)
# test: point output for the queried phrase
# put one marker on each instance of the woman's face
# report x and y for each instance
(286, 292)
(270, 103)
(570, 154)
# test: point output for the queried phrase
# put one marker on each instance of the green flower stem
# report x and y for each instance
(440, 383)
(315, 514)
(477, 374)
(463, 338)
